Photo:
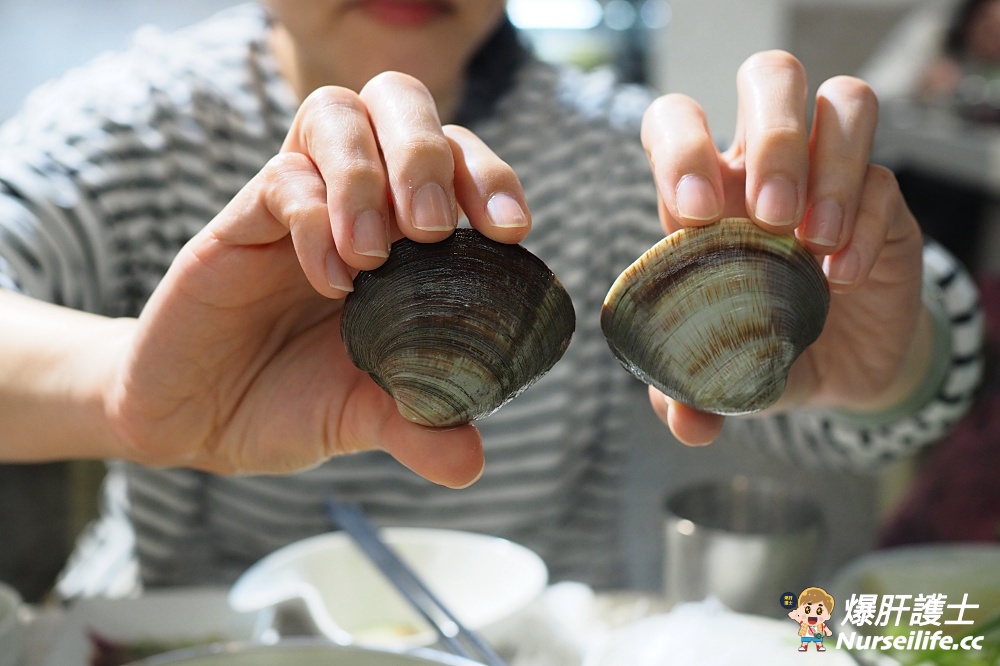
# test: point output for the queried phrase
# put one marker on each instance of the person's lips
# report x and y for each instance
(406, 13)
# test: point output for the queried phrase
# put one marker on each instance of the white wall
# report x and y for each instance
(41, 39)
(703, 45)
(700, 49)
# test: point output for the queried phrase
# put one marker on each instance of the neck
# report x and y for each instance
(304, 79)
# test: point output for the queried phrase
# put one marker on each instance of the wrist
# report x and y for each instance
(58, 366)
(101, 376)
(943, 367)
(920, 376)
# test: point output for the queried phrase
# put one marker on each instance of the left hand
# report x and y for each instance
(876, 343)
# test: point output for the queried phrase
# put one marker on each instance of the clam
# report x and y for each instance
(714, 316)
(455, 329)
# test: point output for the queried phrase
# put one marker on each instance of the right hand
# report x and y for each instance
(236, 364)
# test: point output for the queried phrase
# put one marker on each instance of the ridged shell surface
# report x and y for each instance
(714, 316)
(453, 330)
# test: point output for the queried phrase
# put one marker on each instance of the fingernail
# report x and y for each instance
(777, 202)
(370, 237)
(432, 209)
(843, 268)
(824, 223)
(696, 199)
(336, 273)
(505, 211)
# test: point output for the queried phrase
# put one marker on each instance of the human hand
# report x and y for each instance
(876, 342)
(236, 364)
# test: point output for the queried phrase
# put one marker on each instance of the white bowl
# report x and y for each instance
(485, 581)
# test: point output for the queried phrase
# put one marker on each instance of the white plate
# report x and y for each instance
(189, 615)
(708, 634)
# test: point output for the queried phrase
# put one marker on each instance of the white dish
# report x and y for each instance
(708, 634)
(192, 615)
(485, 581)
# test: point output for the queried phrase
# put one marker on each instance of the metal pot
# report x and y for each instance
(302, 654)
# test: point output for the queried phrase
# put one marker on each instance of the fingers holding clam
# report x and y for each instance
(455, 329)
(715, 316)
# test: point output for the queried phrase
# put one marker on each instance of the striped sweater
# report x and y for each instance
(110, 170)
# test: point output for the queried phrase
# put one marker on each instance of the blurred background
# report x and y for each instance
(42, 38)
(690, 46)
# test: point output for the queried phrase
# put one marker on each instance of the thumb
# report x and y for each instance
(451, 457)
(688, 425)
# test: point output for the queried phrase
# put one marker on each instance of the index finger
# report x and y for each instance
(684, 161)
(450, 457)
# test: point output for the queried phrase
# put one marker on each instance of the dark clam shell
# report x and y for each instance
(453, 330)
(714, 316)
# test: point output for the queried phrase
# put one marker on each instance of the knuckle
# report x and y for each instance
(283, 163)
(459, 133)
(392, 81)
(672, 102)
(291, 189)
(423, 146)
(882, 178)
(770, 61)
(299, 212)
(426, 141)
(674, 116)
(474, 152)
(852, 89)
(332, 97)
(298, 172)
(779, 132)
(360, 170)
(496, 173)
(689, 147)
(881, 196)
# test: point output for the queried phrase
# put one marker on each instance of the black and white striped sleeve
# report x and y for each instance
(47, 233)
(869, 441)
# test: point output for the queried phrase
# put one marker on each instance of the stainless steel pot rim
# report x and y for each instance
(745, 505)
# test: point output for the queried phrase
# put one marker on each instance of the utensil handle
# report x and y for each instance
(460, 640)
